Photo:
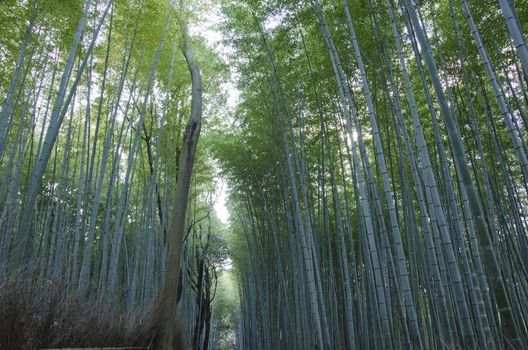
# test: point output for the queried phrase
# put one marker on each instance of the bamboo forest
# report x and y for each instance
(263, 174)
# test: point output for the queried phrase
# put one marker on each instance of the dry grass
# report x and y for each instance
(45, 315)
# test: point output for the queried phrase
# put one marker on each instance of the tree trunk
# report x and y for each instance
(177, 229)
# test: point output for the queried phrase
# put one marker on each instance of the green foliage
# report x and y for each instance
(107, 192)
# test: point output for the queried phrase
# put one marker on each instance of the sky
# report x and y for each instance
(220, 205)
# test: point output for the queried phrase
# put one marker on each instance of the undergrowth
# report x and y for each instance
(36, 315)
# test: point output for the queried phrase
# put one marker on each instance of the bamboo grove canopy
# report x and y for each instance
(375, 155)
